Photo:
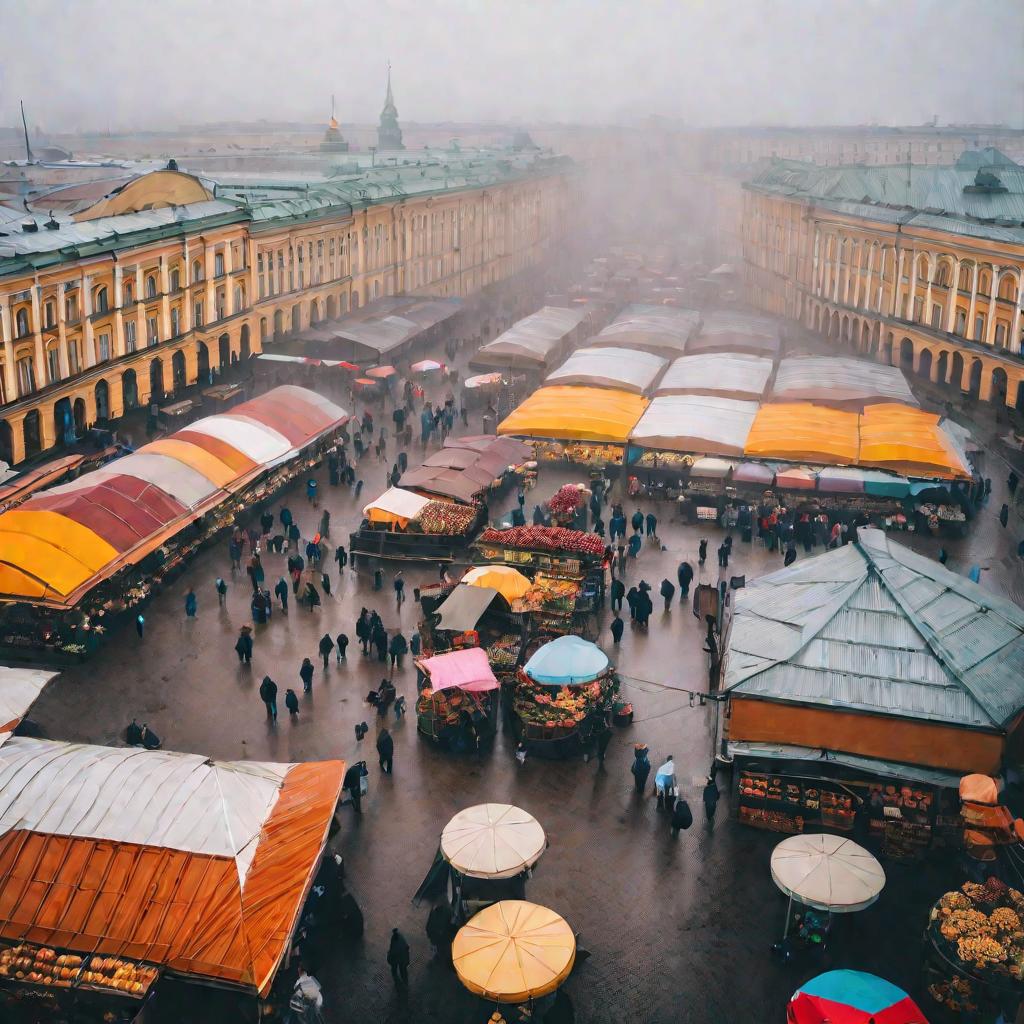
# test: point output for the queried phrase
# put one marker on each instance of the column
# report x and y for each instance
(990, 321)
(1018, 307)
(141, 341)
(211, 292)
(926, 313)
(42, 374)
(837, 269)
(897, 284)
(912, 297)
(186, 312)
(229, 284)
(854, 253)
(118, 311)
(89, 355)
(866, 304)
(854, 295)
(62, 333)
(954, 291)
(973, 311)
(878, 306)
(165, 299)
(254, 283)
(10, 376)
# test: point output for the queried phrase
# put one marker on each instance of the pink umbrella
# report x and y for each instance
(365, 382)
(381, 372)
(426, 366)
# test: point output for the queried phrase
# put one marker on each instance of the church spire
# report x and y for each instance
(389, 134)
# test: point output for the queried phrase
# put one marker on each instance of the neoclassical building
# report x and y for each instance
(920, 266)
(142, 284)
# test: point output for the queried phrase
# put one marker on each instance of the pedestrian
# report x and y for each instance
(702, 551)
(685, 575)
(1011, 482)
(710, 796)
(268, 694)
(665, 783)
(635, 543)
(285, 516)
(385, 750)
(341, 557)
(790, 554)
(291, 702)
(243, 645)
(311, 596)
(604, 737)
(538, 516)
(222, 591)
(644, 607)
(140, 626)
(235, 554)
(307, 999)
(617, 627)
(378, 578)
(631, 598)
(641, 766)
(325, 582)
(380, 641)
(637, 521)
(521, 753)
(618, 592)
(415, 644)
(311, 492)
(668, 591)
(353, 782)
(397, 649)
(294, 536)
(266, 522)
(398, 959)
(599, 527)
(652, 525)
(281, 590)
(399, 585)
(363, 630)
(190, 604)
(1004, 514)
(439, 928)
(325, 523)
(325, 648)
(341, 646)
(942, 556)
(621, 557)
(723, 557)
(333, 465)
(399, 707)
(682, 817)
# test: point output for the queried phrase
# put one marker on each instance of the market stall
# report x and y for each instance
(905, 440)
(535, 342)
(563, 694)
(695, 424)
(661, 330)
(732, 331)
(838, 381)
(734, 375)
(802, 432)
(854, 998)
(508, 582)
(629, 370)
(457, 706)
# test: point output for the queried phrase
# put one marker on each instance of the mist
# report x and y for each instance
(115, 65)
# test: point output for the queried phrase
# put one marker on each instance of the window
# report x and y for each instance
(26, 376)
(239, 299)
(49, 313)
(102, 302)
(128, 291)
(979, 327)
(74, 364)
(937, 316)
(961, 322)
(1000, 335)
(53, 364)
(197, 272)
(21, 323)
(197, 314)
(129, 335)
(175, 280)
(71, 308)
(103, 347)
(151, 287)
(218, 265)
(152, 335)
(175, 322)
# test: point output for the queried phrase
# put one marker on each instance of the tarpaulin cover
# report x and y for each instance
(664, 330)
(979, 789)
(726, 331)
(827, 872)
(514, 951)
(508, 582)
(532, 340)
(753, 473)
(727, 374)
(62, 541)
(852, 997)
(705, 424)
(395, 505)
(462, 485)
(196, 865)
(909, 441)
(576, 414)
(566, 661)
(838, 380)
(19, 688)
(467, 669)
(847, 480)
(462, 609)
(492, 841)
(801, 432)
(627, 369)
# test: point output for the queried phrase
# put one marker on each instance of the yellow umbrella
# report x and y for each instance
(508, 582)
(514, 951)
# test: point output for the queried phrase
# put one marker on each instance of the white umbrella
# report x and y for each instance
(826, 872)
(492, 841)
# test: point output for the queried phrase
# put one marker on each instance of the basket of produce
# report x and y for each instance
(445, 517)
(544, 538)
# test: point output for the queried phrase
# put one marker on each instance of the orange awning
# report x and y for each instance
(802, 432)
(909, 441)
(569, 413)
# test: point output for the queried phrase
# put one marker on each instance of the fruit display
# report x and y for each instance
(502, 654)
(445, 517)
(956, 994)
(564, 503)
(665, 460)
(773, 821)
(548, 593)
(550, 708)
(545, 538)
(41, 965)
(111, 972)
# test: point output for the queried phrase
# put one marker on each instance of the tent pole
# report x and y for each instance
(789, 910)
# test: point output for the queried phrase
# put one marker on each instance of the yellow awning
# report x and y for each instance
(907, 440)
(514, 951)
(508, 582)
(217, 472)
(802, 432)
(576, 414)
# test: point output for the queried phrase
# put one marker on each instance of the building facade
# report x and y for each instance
(921, 267)
(100, 314)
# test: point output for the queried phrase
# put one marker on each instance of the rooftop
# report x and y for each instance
(981, 195)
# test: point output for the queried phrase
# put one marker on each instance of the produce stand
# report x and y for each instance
(457, 707)
(553, 549)
(974, 950)
(578, 453)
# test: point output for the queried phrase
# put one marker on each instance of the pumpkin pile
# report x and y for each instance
(39, 965)
(981, 925)
(122, 975)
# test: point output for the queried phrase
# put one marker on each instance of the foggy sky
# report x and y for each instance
(157, 64)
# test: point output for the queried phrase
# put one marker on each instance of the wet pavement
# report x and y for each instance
(677, 929)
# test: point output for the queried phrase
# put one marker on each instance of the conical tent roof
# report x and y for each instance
(492, 841)
(827, 872)
(566, 661)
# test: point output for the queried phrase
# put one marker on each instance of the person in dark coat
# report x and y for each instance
(668, 591)
(352, 784)
(685, 575)
(1004, 514)
(637, 521)
(286, 517)
(702, 551)
(682, 817)
(710, 797)
(385, 750)
(291, 702)
(325, 648)
(641, 767)
(617, 627)
(243, 645)
(723, 557)
(281, 590)
(790, 554)
(222, 591)
(439, 929)
(538, 516)
(398, 959)
(415, 644)
(191, 604)
(380, 641)
(604, 737)
(652, 524)
(635, 543)
(644, 607)
(618, 592)
(268, 694)
(397, 648)
(306, 675)
(341, 558)
(631, 598)
(341, 646)
(363, 630)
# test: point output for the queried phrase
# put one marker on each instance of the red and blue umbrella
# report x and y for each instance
(852, 997)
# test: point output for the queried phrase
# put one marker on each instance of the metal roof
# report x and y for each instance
(873, 626)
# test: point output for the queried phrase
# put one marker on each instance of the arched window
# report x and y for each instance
(127, 291)
(197, 271)
(1006, 287)
(21, 323)
(151, 287)
(942, 276)
(175, 279)
(985, 283)
(218, 264)
(239, 299)
(101, 302)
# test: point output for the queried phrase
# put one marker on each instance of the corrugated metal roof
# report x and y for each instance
(905, 636)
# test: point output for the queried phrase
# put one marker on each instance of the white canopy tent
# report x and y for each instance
(736, 375)
(701, 424)
(395, 503)
(838, 380)
(492, 841)
(622, 368)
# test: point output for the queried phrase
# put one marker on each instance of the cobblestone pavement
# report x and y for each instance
(677, 929)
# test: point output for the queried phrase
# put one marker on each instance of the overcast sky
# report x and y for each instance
(117, 64)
